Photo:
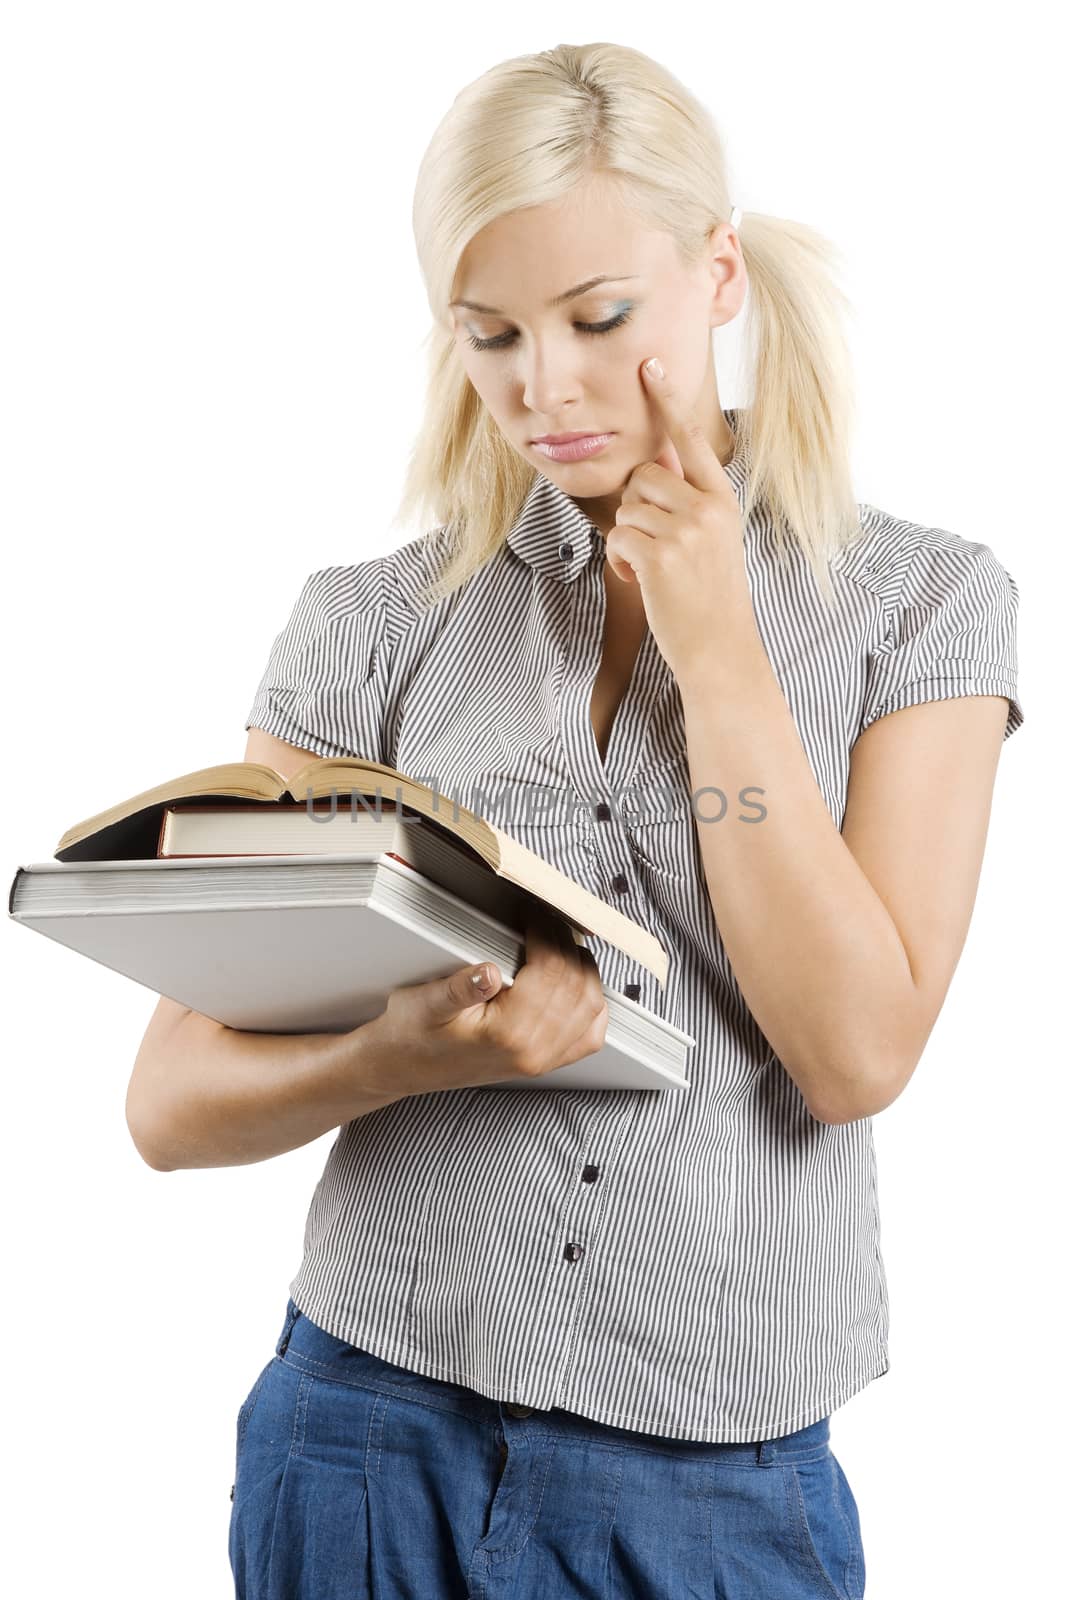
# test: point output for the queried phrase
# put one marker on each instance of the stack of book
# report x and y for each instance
(297, 906)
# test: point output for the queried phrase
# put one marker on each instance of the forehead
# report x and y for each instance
(537, 254)
(502, 274)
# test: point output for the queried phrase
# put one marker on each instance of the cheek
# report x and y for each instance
(479, 378)
(499, 397)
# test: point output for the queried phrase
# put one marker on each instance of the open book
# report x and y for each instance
(132, 830)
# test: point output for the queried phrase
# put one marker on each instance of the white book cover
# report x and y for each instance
(308, 944)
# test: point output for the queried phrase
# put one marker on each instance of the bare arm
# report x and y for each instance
(843, 942)
(204, 1095)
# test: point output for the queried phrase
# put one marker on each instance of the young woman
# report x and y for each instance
(565, 1343)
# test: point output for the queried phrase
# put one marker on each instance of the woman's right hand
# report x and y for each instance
(448, 1034)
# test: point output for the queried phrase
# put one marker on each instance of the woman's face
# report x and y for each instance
(545, 371)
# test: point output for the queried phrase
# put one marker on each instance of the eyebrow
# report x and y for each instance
(560, 299)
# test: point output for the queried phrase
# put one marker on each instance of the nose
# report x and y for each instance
(551, 384)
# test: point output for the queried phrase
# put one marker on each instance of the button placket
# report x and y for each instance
(622, 879)
(600, 1142)
(581, 1222)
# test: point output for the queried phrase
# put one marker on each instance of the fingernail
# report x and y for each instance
(653, 368)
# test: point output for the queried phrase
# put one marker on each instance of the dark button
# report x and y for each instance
(566, 552)
(632, 991)
(232, 1491)
(516, 1410)
(620, 883)
(602, 812)
(589, 1174)
(573, 1252)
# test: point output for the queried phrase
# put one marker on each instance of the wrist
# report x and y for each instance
(732, 655)
(368, 1067)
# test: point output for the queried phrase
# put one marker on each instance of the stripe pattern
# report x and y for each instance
(700, 1264)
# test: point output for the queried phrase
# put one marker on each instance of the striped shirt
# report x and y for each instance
(701, 1264)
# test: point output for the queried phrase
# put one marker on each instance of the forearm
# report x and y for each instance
(815, 952)
(213, 1096)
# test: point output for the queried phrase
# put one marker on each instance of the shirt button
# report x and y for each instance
(513, 1410)
(590, 1174)
(573, 1252)
(620, 883)
(632, 991)
(602, 812)
(566, 552)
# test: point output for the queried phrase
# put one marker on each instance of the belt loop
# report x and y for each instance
(292, 1311)
(767, 1449)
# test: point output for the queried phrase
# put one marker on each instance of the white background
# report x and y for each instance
(212, 371)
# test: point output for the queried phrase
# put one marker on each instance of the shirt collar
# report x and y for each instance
(552, 535)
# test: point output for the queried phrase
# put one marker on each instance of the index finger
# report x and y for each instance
(697, 456)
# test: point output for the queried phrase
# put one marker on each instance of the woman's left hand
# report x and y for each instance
(679, 533)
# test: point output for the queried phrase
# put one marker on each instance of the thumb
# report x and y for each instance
(459, 991)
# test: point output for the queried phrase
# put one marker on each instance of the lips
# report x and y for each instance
(565, 438)
(578, 447)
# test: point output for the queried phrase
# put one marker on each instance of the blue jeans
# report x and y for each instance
(358, 1478)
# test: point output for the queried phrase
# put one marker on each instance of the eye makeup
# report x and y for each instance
(502, 340)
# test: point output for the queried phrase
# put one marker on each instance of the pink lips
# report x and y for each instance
(575, 447)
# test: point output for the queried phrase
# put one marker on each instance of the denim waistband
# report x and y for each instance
(303, 1345)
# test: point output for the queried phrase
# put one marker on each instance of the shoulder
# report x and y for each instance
(947, 620)
(909, 564)
(382, 591)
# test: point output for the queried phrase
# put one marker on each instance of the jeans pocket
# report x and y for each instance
(244, 1414)
(825, 1520)
(269, 1431)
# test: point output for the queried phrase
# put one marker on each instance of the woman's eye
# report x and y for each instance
(503, 339)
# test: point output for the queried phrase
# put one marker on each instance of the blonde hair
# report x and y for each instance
(529, 131)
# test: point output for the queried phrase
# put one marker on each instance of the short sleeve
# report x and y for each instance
(326, 675)
(952, 610)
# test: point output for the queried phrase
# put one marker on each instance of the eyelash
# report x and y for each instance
(503, 339)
